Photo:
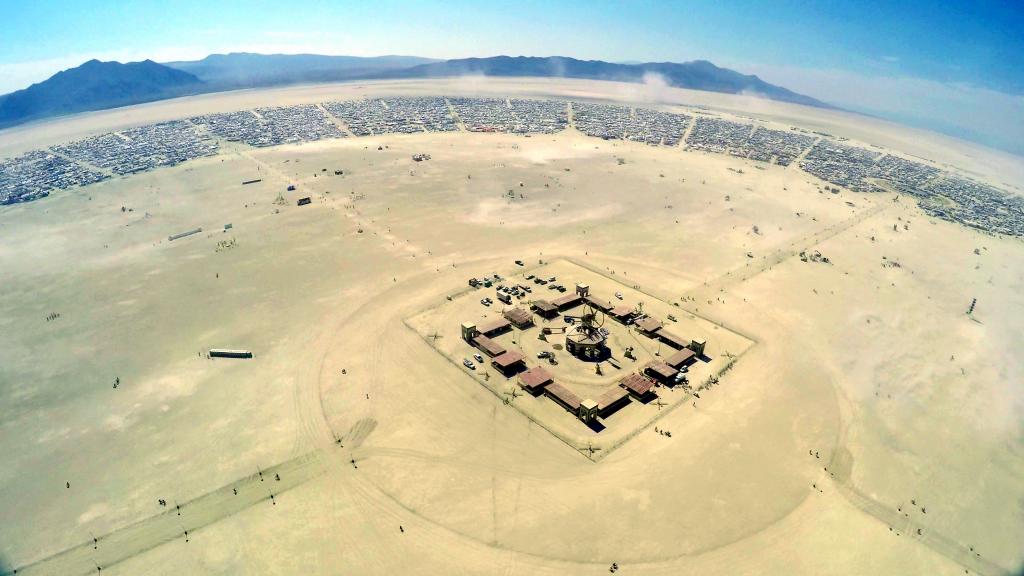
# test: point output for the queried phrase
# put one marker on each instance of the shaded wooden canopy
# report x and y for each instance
(492, 326)
(660, 369)
(610, 398)
(648, 324)
(563, 396)
(489, 346)
(622, 311)
(637, 384)
(681, 358)
(544, 307)
(518, 316)
(567, 301)
(672, 340)
(534, 378)
(507, 359)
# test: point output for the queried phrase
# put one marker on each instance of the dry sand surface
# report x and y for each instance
(868, 427)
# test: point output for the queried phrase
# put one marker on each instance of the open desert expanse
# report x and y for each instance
(867, 426)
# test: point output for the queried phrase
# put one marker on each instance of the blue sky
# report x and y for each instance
(955, 66)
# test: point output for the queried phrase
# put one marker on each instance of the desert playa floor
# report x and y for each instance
(871, 427)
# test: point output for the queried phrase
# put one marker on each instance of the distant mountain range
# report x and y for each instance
(696, 75)
(96, 85)
(99, 85)
(246, 70)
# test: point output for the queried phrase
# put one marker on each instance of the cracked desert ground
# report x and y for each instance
(871, 428)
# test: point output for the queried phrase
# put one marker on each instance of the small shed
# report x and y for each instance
(469, 331)
(225, 353)
(698, 346)
(588, 411)
(173, 237)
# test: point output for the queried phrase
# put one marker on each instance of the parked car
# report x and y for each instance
(479, 358)
(468, 363)
(543, 354)
(618, 295)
